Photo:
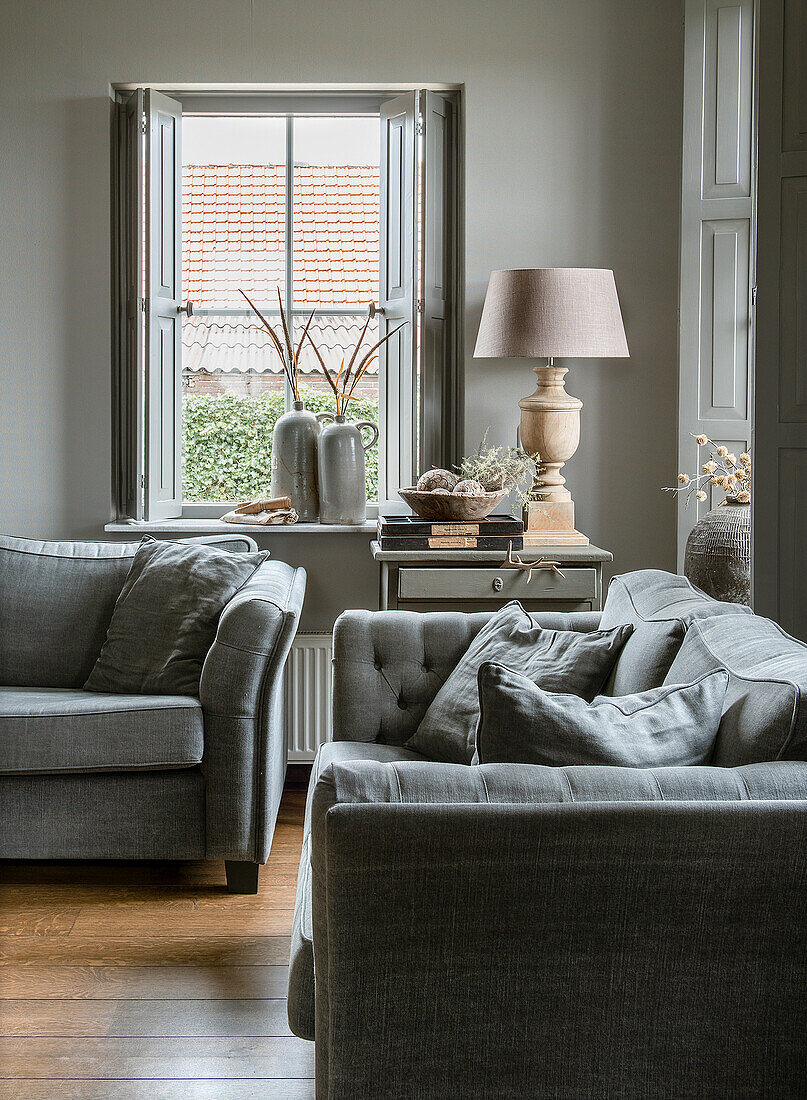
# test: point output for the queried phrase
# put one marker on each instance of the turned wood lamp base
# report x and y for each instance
(550, 427)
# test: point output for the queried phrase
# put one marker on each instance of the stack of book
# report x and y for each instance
(497, 532)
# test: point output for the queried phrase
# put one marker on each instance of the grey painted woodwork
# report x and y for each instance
(474, 580)
(780, 430)
(163, 375)
(717, 236)
(398, 292)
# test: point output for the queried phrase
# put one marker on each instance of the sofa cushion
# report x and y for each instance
(165, 617)
(659, 606)
(764, 714)
(671, 726)
(56, 602)
(559, 660)
(45, 730)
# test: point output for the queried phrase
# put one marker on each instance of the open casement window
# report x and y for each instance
(419, 397)
(417, 284)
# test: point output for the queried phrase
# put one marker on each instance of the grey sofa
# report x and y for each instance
(98, 776)
(526, 931)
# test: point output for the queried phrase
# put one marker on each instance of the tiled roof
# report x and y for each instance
(219, 346)
(233, 234)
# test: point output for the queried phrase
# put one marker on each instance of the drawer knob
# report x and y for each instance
(498, 584)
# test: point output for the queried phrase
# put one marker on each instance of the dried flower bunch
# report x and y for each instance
(502, 469)
(288, 354)
(348, 377)
(722, 469)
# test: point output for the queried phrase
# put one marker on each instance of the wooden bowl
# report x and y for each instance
(451, 507)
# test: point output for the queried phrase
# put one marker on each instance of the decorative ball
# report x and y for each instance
(469, 488)
(436, 479)
(440, 491)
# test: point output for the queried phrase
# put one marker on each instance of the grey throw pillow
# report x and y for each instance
(664, 727)
(559, 660)
(165, 618)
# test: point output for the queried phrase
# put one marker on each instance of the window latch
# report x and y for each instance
(186, 309)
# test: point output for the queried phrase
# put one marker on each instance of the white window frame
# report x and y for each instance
(437, 438)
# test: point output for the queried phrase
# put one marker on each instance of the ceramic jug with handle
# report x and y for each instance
(342, 487)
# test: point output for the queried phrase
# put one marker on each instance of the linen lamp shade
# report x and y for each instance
(552, 312)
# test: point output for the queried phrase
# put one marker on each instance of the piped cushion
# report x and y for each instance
(165, 618)
(660, 606)
(520, 723)
(559, 660)
(764, 713)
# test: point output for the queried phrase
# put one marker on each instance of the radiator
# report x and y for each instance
(308, 696)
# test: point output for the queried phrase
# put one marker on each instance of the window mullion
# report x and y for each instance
(289, 263)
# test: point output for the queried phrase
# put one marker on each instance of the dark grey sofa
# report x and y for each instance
(526, 931)
(97, 776)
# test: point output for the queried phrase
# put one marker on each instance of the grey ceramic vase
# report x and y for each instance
(294, 461)
(342, 486)
(718, 553)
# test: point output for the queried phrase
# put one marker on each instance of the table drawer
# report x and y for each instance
(577, 583)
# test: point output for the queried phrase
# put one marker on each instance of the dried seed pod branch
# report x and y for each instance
(722, 469)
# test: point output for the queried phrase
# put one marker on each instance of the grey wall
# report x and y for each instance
(573, 135)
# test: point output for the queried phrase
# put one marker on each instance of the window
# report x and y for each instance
(333, 203)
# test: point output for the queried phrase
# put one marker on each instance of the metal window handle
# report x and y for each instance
(376, 310)
(187, 308)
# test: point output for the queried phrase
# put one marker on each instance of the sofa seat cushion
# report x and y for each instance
(45, 730)
(764, 713)
(659, 606)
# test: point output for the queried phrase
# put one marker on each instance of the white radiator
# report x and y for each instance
(308, 696)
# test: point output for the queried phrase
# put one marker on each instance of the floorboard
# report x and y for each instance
(127, 981)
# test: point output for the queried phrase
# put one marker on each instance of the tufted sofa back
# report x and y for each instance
(389, 665)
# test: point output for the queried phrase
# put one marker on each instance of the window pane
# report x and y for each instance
(335, 254)
(233, 235)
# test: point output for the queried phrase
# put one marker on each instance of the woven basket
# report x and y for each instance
(718, 553)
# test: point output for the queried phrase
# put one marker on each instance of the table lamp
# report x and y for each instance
(551, 312)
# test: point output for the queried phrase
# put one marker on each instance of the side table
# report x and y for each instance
(474, 580)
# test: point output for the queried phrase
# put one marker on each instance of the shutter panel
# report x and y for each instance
(440, 410)
(163, 343)
(132, 363)
(717, 236)
(780, 427)
(398, 294)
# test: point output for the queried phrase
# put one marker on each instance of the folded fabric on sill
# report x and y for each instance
(263, 518)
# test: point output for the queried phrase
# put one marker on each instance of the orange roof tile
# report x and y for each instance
(233, 234)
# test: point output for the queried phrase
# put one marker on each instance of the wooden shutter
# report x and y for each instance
(163, 328)
(717, 236)
(131, 164)
(398, 294)
(440, 407)
(780, 418)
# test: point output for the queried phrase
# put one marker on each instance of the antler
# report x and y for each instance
(511, 562)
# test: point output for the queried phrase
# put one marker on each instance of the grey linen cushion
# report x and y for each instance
(673, 726)
(660, 606)
(165, 618)
(559, 660)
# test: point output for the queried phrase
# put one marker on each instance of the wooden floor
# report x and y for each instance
(150, 980)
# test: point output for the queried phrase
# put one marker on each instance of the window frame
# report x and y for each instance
(289, 104)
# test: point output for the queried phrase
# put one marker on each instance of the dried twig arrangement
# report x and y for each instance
(722, 469)
(348, 377)
(288, 354)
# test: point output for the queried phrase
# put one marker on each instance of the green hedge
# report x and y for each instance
(227, 442)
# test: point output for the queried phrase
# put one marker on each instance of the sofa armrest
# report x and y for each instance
(389, 665)
(241, 691)
(543, 949)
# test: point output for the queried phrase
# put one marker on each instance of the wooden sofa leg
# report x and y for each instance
(242, 877)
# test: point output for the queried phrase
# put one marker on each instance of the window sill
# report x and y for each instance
(217, 527)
